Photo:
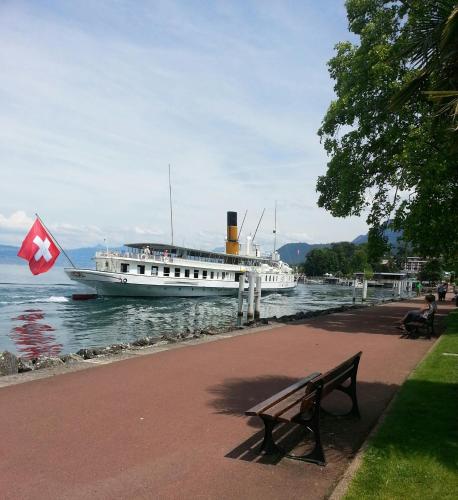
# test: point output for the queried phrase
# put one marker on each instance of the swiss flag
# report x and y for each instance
(39, 249)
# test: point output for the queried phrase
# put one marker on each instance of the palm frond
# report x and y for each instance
(407, 91)
(449, 35)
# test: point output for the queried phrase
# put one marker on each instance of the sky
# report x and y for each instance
(98, 98)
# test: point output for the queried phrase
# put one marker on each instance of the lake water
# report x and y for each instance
(39, 317)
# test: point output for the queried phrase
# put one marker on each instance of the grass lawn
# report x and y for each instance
(415, 452)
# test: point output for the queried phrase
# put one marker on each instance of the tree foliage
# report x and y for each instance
(340, 259)
(432, 271)
(432, 48)
(399, 165)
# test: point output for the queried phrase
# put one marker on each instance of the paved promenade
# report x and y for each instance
(170, 425)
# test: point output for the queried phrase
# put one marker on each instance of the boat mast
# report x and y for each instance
(170, 199)
(257, 227)
(275, 227)
(241, 227)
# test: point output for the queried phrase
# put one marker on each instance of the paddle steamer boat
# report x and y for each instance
(161, 270)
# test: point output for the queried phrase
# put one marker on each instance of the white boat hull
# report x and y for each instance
(113, 284)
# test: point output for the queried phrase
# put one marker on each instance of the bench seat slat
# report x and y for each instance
(288, 412)
(280, 396)
(277, 410)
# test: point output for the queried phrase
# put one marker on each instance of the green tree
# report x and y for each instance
(398, 166)
(359, 260)
(320, 261)
(340, 259)
(432, 271)
(432, 48)
(344, 252)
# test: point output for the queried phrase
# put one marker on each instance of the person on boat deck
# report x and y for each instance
(420, 315)
(146, 250)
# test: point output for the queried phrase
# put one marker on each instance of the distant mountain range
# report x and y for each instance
(292, 253)
(81, 257)
(295, 253)
(392, 236)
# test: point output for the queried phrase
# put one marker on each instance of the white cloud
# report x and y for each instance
(98, 98)
(16, 222)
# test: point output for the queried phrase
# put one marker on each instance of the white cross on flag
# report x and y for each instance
(39, 249)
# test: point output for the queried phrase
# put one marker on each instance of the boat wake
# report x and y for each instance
(53, 299)
(56, 299)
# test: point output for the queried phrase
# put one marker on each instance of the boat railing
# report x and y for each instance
(134, 255)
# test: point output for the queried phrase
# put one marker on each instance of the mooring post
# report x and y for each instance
(364, 289)
(241, 289)
(250, 309)
(257, 302)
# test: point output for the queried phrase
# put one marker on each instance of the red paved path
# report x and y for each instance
(170, 425)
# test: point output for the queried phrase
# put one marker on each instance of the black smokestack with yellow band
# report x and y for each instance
(232, 244)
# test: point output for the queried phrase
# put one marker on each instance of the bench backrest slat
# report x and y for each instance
(344, 368)
(333, 382)
(280, 396)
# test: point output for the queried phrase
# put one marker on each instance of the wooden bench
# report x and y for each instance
(300, 403)
(417, 328)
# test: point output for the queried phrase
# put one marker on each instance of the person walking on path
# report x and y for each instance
(442, 291)
(418, 288)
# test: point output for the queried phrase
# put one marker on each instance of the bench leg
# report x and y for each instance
(413, 332)
(316, 456)
(351, 392)
(268, 446)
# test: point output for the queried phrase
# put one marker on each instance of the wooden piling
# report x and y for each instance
(251, 283)
(241, 289)
(257, 303)
(364, 290)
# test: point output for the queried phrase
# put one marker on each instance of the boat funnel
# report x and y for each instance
(232, 243)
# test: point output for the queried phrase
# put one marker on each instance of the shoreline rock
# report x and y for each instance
(8, 363)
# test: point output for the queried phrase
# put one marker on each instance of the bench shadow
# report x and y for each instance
(409, 432)
(342, 436)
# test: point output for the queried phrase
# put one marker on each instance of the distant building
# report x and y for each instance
(414, 264)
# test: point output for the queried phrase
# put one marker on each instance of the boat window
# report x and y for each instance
(266, 278)
(166, 271)
(196, 273)
(223, 275)
(186, 273)
(154, 270)
(204, 274)
(140, 269)
(124, 267)
(177, 272)
(212, 275)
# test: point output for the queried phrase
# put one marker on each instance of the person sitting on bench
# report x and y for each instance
(421, 315)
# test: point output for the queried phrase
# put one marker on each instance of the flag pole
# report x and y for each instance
(55, 241)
